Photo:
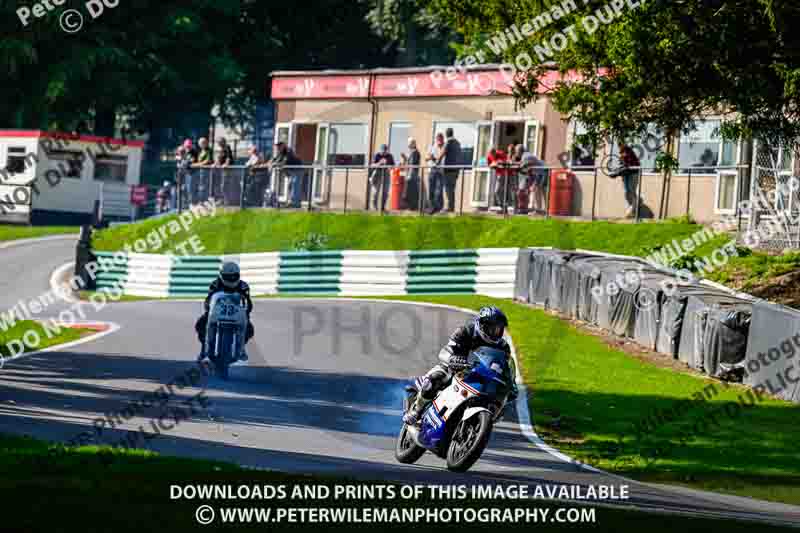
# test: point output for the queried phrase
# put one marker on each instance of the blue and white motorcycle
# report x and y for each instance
(225, 331)
(458, 423)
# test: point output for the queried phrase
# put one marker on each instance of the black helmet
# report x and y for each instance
(229, 274)
(490, 323)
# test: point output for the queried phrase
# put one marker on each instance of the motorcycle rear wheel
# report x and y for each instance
(469, 441)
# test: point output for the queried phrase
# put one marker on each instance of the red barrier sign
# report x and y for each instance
(138, 194)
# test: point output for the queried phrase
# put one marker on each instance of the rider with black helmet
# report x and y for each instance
(228, 280)
(486, 329)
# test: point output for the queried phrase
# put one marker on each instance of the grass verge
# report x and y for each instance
(266, 231)
(11, 233)
(102, 489)
(35, 331)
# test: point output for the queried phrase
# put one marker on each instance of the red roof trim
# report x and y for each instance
(71, 136)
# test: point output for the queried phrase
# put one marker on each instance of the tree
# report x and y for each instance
(413, 33)
(663, 62)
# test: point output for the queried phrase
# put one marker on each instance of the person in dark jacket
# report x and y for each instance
(629, 170)
(452, 158)
(382, 163)
(486, 329)
(229, 281)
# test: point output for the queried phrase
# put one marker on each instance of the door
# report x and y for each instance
(481, 173)
(531, 137)
(321, 171)
(284, 132)
(727, 190)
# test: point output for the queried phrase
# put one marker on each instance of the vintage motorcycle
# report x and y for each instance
(458, 423)
(225, 331)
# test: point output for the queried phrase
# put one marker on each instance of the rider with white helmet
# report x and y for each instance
(228, 280)
(486, 329)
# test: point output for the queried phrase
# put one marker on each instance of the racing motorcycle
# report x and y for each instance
(227, 323)
(457, 425)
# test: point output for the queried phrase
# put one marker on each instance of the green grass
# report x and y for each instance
(46, 339)
(11, 232)
(263, 231)
(47, 487)
(597, 394)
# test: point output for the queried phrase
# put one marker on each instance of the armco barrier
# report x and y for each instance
(491, 272)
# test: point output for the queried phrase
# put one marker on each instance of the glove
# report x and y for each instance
(457, 362)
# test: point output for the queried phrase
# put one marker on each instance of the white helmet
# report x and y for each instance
(229, 274)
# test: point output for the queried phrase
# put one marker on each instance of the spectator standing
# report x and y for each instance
(224, 159)
(183, 177)
(162, 198)
(498, 162)
(436, 157)
(285, 157)
(533, 171)
(382, 162)
(412, 190)
(452, 159)
(629, 170)
(205, 158)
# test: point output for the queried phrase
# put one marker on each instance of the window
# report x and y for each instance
(582, 155)
(646, 148)
(69, 163)
(702, 149)
(399, 132)
(348, 145)
(15, 160)
(111, 168)
(464, 132)
(726, 192)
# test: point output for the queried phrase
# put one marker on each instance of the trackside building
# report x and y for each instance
(337, 119)
(59, 178)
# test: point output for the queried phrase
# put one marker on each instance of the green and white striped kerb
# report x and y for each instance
(491, 272)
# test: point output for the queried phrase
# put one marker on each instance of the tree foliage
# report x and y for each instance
(665, 61)
(164, 63)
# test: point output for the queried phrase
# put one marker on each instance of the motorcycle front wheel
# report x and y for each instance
(469, 441)
(406, 450)
(224, 359)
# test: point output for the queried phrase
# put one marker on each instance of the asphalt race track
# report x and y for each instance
(321, 393)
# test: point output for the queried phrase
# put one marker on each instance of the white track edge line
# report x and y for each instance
(112, 328)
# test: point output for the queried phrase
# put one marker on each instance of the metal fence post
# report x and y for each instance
(310, 190)
(421, 195)
(346, 185)
(463, 186)
(594, 194)
(242, 185)
(547, 193)
(505, 191)
(688, 192)
(639, 194)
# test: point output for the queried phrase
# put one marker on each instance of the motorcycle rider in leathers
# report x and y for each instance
(486, 329)
(229, 280)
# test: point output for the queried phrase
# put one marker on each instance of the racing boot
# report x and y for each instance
(243, 355)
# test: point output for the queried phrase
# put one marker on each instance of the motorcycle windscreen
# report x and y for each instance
(491, 372)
